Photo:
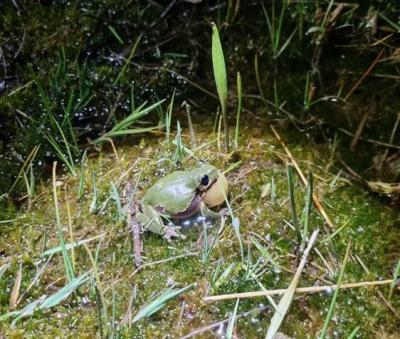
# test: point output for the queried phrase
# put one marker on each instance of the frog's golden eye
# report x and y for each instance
(204, 180)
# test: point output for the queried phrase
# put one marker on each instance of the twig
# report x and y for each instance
(362, 123)
(364, 75)
(376, 142)
(311, 289)
(303, 178)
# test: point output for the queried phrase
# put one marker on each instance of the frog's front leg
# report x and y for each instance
(210, 214)
(151, 220)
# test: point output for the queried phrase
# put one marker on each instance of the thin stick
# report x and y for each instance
(364, 75)
(362, 123)
(303, 178)
(376, 142)
(311, 289)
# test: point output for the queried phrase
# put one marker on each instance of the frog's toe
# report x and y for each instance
(171, 232)
(224, 212)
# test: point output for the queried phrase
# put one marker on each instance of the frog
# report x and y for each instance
(182, 194)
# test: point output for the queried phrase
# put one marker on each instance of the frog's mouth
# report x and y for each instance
(215, 194)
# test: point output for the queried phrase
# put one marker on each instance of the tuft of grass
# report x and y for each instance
(67, 159)
(220, 77)
(123, 128)
(206, 250)
(48, 302)
(275, 29)
(28, 162)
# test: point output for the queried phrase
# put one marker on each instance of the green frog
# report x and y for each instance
(180, 195)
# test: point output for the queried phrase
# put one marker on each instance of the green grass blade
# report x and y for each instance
(69, 271)
(295, 223)
(287, 298)
(353, 333)
(71, 245)
(116, 35)
(395, 276)
(62, 294)
(308, 206)
(337, 289)
(117, 201)
(121, 73)
(5, 267)
(168, 118)
(231, 324)
(160, 302)
(286, 43)
(390, 22)
(81, 187)
(239, 110)
(331, 236)
(220, 78)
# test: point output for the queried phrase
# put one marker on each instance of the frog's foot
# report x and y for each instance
(224, 212)
(173, 231)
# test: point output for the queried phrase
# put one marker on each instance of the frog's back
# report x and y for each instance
(172, 192)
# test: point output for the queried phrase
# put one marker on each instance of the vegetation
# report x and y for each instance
(91, 100)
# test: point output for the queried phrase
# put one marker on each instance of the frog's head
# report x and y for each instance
(211, 182)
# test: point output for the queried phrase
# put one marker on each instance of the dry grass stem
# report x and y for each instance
(311, 289)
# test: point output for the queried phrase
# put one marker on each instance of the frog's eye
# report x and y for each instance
(204, 180)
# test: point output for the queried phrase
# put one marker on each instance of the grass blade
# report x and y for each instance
(220, 78)
(81, 187)
(15, 291)
(71, 245)
(168, 117)
(231, 324)
(307, 208)
(239, 110)
(121, 73)
(67, 262)
(395, 276)
(116, 35)
(290, 176)
(288, 296)
(63, 294)
(160, 302)
(337, 289)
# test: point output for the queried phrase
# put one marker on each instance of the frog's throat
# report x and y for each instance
(193, 208)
